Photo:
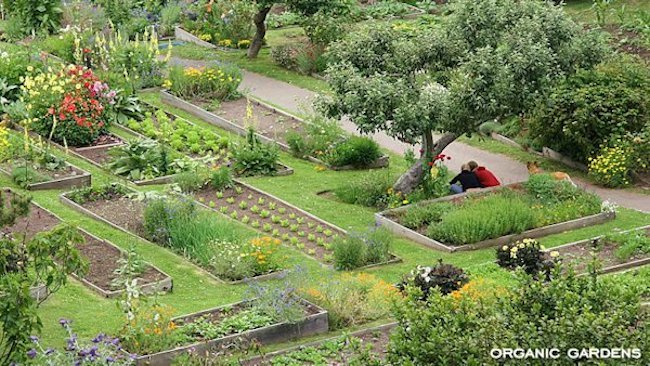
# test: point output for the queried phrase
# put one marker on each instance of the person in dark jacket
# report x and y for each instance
(467, 180)
(485, 177)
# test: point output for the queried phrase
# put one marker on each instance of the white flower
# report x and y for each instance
(555, 254)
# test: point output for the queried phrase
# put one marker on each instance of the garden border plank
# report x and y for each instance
(74, 181)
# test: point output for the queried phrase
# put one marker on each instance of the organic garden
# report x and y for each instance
(262, 182)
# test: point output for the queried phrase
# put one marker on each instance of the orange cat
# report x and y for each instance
(533, 168)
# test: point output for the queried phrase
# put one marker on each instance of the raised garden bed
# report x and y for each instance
(102, 255)
(393, 220)
(278, 218)
(97, 154)
(331, 351)
(314, 322)
(118, 209)
(205, 141)
(272, 124)
(68, 177)
(580, 253)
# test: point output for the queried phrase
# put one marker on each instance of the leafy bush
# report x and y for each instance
(629, 244)
(356, 151)
(285, 55)
(284, 19)
(612, 166)
(253, 157)
(527, 254)
(36, 16)
(549, 190)
(360, 249)
(370, 189)
(169, 17)
(593, 106)
(189, 181)
(419, 216)
(207, 83)
(223, 22)
(567, 310)
(73, 97)
(442, 278)
(147, 159)
(221, 178)
(484, 218)
(24, 176)
(14, 67)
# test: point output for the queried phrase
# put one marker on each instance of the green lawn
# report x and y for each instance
(582, 11)
(193, 290)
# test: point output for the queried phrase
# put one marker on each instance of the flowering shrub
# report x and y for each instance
(101, 350)
(226, 23)
(68, 105)
(13, 68)
(207, 83)
(526, 253)
(352, 299)
(236, 261)
(612, 166)
(445, 277)
(148, 325)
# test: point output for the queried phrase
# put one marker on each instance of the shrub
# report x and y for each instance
(169, 17)
(612, 166)
(526, 253)
(39, 17)
(189, 181)
(356, 151)
(159, 213)
(285, 55)
(370, 189)
(485, 218)
(14, 67)
(592, 106)
(352, 299)
(208, 83)
(221, 22)
(549, 190)
(74, 97)
(419, 216)
(24, 176)
(442, 278)
(567, 310)
(221, 178)
(253, 157)
(359, 249)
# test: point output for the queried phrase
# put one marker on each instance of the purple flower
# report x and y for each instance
(34, 339)
(49, 351)
(100, 337)
(32, 353)
(110, 359)
(64, 322)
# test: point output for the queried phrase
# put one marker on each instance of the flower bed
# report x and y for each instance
(220, 322)
(116, 205)
(104, 257)
(616, 252)
(272, 125)
(360, 346)
(186, 137)
(496, 216)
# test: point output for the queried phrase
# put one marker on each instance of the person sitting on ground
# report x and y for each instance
(485, 177)
(467, 180)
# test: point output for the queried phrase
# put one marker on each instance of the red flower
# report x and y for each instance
(430, 163)
(87, 50)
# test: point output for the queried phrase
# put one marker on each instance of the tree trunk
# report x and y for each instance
(260, 32)
(413, 177)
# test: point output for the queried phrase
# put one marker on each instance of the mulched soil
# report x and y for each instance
(251, 197)
(101, 256)
(581, 255)
(99, 152)
(121, 211)
(267, 122)
(377, 339)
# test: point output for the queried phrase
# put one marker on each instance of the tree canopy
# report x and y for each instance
(488, 59)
